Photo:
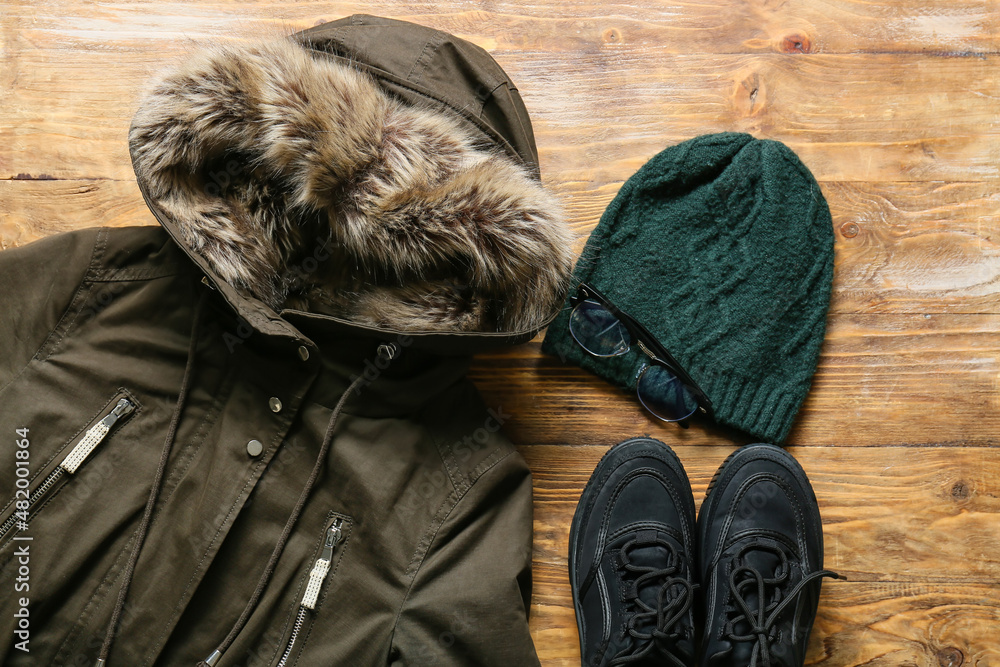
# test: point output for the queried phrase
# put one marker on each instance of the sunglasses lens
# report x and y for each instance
(664, 395)
(598, 331)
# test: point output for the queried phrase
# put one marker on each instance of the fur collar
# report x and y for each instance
(306, 186)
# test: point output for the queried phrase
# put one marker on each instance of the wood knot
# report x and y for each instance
(849, 230)
(796, 44)
(612, 36)
(750, 96)
(960, 491)
(950, 657)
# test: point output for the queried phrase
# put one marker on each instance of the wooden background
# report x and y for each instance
(894, 107)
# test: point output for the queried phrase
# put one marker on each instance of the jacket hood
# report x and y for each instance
(369, 171)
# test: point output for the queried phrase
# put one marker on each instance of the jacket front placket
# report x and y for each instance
(228, 448)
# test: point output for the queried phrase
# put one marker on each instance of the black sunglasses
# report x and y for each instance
(663, 387)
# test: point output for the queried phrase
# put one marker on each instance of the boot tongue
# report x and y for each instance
(648, 555)
(766, 562)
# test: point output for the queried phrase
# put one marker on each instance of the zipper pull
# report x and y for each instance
(333, 536)
(322, 565)
(95, 435)
(123, 409)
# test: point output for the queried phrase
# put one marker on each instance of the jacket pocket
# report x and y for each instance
(27, 502)
(337, 530)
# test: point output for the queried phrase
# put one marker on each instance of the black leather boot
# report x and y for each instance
(761, 561)
(631, 560)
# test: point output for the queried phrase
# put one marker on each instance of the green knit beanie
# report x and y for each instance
(722, 246)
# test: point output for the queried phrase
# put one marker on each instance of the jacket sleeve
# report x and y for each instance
(38, 283)
(469, 601)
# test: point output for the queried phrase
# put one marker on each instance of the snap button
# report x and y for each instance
(303, 353)
(255, 447)
(275, 404)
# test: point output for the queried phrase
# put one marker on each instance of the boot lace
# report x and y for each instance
(774, 596)
(674, 597)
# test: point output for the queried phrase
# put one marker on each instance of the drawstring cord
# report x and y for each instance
(154, 492)
(265, 577)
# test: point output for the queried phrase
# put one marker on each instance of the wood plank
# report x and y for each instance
(882, 379)
(67, 113)
(32, 209)
(713, 26)
(903, 514)
(869, 624)
(885, 625)
(881, 124)
(902, 247)
(916, 247)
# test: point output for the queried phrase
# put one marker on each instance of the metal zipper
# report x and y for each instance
(316, 578)
(300, 619)
(91, 439)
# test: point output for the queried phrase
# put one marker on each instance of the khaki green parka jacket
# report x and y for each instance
(246, 436)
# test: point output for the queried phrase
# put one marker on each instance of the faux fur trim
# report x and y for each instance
(305, 185)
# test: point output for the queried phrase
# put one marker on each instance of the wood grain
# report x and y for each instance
(882, 379)
(710, 26)
(886, 625)
(32, 209)
(892, 131)
(893, 105)
(601, 104)
(916, 247)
